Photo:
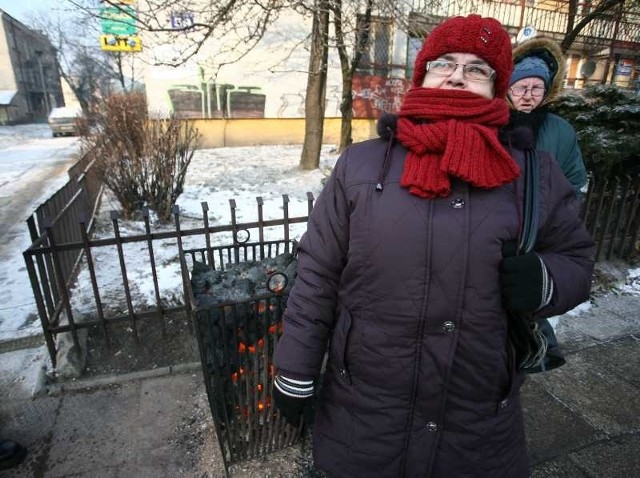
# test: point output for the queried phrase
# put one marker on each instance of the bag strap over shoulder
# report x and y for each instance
(531, 202)
(539, 352)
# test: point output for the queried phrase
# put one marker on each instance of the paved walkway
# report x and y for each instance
(583, 420)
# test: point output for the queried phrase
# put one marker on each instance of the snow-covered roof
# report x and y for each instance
(6, 97)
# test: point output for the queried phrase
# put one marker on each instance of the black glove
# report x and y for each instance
(522, 280)
(291, 407)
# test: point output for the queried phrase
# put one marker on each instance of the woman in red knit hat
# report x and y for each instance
(404, 287)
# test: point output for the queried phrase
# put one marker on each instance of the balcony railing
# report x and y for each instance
(551, 19)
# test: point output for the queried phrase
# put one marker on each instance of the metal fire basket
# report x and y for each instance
(237, 340)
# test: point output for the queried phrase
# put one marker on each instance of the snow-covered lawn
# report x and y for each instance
(215, 176)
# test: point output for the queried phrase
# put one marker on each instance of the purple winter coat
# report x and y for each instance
(419, 380)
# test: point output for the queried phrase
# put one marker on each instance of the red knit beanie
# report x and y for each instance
(484, 37)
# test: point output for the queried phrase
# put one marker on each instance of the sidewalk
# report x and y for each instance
(583, 420)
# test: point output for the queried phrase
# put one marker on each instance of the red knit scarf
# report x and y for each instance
(459, 138)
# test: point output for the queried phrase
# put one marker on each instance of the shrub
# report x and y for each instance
(607, 121)
(142, 161)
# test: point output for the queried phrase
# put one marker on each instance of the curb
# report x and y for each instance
(57, 388)
(21, 343)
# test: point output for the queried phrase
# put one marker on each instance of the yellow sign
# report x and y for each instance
(120, 43)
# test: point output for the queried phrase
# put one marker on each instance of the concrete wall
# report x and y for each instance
(217, 133)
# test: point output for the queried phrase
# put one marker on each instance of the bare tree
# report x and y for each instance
(88, 71)
(316, 87)
(180, 30)
(573, 29)
(348, 65)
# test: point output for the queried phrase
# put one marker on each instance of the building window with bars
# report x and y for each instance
(376, 57)
(414, 43)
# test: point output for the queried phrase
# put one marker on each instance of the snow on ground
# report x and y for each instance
(632, 284)
(215, 176)
(33, 166)
(19, 134)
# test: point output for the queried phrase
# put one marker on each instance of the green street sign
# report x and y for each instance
(117, 21)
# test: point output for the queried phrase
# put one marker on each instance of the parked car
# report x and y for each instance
(65, 120)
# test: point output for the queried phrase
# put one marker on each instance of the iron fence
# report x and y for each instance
(61, 233)
(52, 280)
(56, 220)
(612, 216)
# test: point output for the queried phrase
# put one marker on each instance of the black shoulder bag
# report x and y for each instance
(534, 341)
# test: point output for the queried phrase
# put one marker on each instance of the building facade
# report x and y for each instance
(270, 80)
(29, 74)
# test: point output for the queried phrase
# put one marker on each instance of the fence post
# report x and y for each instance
(94, 281)
(605, 229)
(207, 234)
(62, 285)
(234, 224)
(285, 218)
(260, 203)
(123, 271)
(175, 210)
(154, 273)
(44, 319)
(633, 214)
(310, 200)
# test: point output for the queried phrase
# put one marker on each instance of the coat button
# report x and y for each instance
(457, 203)
(504, 403)
(432, 426)
(343, 372)
(448, 326)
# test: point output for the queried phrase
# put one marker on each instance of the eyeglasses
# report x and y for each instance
(536, 91)
(470, 72)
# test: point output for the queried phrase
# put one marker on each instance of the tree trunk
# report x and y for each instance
(346, 111)
(316, 88)
(348, 70)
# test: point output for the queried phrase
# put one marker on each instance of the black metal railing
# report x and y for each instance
(611, 212)
(52, 281)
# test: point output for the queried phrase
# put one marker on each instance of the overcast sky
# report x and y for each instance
(22, 9)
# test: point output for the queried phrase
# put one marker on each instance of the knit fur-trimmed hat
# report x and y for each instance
(531, 66)
(485, 37)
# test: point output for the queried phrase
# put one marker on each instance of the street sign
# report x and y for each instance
(118, 21)
(182, 20)
(120, 43)
(624, 68)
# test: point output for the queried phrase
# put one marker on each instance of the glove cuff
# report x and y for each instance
(294, 388)
(547, 285)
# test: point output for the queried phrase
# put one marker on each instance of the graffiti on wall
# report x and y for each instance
(211, 100)
(374, 95)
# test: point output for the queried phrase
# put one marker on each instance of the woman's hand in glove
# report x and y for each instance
(524, 281)
(293, 399)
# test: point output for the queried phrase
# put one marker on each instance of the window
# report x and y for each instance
(375, 59)
(413, 47)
